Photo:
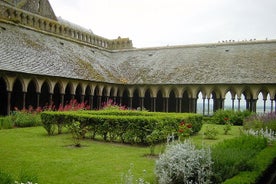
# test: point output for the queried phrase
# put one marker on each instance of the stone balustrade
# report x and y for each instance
(39, 23)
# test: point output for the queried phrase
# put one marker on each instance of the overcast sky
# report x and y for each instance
(150, 23)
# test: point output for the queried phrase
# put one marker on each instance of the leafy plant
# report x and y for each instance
(210, 132)
(77, 132)
(183, 163)
(227, 126)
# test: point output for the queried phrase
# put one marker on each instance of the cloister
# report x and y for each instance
(47, 61)
(22, 91)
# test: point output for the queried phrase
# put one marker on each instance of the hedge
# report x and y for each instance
(260, 163)
(127, 128)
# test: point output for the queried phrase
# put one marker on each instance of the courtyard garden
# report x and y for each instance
(125, 146)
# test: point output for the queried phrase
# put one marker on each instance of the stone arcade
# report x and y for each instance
(45, 59)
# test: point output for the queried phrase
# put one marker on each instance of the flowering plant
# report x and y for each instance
(184, 129)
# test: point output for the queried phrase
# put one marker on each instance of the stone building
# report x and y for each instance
(44, 60)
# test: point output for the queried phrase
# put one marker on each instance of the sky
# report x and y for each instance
(152, 23)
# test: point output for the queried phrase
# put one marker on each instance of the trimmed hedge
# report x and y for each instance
(128, 127)
(259, 165)
(234, 156)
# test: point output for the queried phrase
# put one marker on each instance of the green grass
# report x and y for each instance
(53, 160)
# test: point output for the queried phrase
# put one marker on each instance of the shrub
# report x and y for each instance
(261, 121)
(26, 118)
(183, 163)
(6, 122)
(232, 156)
(210, 132)
(234, 117)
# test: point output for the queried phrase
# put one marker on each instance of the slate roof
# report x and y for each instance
(28, 51)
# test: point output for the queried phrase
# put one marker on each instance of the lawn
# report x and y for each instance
(52, 159)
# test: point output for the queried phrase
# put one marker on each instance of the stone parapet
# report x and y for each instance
(43, 24)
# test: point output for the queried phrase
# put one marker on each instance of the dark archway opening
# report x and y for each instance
(136, 100)
(56, 97)
(159, 102)
(3, 98)
(185, 102)
(17, 95)
(87, 97)
(125, 99)
(148, 101)
(172, 102)
(31, 96)
(96, 98)
(68, 94)
(78, 95)
(44, 99)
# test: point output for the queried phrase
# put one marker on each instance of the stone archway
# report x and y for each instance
(3, 98)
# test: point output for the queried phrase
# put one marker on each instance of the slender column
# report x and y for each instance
(37, 102)
(91, 101)
(62, 100)
(154, 104)
(180, 105)
(203, 110)
(9, 103)
(130, 102)
(233, 103)
(192, 105)
(24, 101)
(253, 105)
(208, 101)
(165, 104)
(239, 104)
(142, 103)
(99, 105)
(82, 98)
(264, 105)
(271, 108)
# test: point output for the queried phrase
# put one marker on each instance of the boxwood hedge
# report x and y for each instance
(125, 126)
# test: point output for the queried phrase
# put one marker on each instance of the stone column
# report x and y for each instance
(203, 111)
(130, 102)
(142, 103)
(239, 104)
(154, 104)
(166, 104)
(233, 103)
(193, 105)
(24, 100)
(9, 102)
(37, 102)
(264, 105)
(91, 101)
(179, 105)
(208, 102)
(99, 105)
(253, 105)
